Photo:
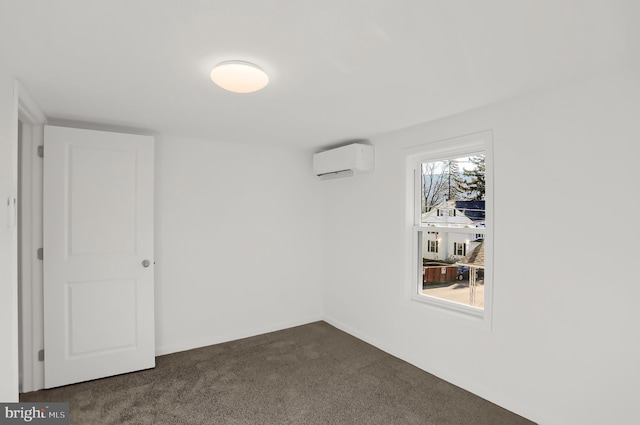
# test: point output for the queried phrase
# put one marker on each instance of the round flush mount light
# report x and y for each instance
(239, 76)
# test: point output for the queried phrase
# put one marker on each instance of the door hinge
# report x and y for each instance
(41, 355)
(41, 151)
(40, 253)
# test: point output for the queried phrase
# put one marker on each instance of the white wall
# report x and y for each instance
(564, 347)
(8, 265)
(238, 242)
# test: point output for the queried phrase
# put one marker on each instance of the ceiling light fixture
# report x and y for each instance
(239, 76)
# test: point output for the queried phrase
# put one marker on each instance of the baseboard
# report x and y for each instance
(234, 335)
(502, 400)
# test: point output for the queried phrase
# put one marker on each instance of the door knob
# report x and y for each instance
(146, 263)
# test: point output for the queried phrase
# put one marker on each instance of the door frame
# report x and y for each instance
(30, 281)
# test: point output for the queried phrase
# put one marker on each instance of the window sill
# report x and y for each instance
(451, 306)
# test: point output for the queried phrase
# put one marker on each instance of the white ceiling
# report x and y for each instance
(340, 69)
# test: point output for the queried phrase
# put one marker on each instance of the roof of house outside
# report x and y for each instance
(433, 217)
(475, 258)
(474, 210)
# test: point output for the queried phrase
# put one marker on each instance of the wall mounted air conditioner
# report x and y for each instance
(344, 161)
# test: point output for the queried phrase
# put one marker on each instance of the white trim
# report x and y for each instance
(449, 305)
(28, 106)
(436, 151)
(437, 229)
(449, 148)
(219, 339)
(30, 168)
(25, 321)
(10, 382)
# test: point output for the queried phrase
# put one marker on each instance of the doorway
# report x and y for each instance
(30, 257)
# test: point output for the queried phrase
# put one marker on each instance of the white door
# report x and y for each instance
(98, 254)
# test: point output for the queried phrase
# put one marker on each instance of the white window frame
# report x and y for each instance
(466, 145)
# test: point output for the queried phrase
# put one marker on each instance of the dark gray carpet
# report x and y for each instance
(311, 374)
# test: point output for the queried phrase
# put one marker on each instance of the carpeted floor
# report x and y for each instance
(311, 374)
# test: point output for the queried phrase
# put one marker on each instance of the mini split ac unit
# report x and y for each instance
(344, 161)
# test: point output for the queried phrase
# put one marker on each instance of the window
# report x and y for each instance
(459, 249)
(451, 212)
(452, 223)
(432, 246)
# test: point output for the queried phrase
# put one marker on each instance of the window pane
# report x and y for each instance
(456, 272)
(453, 191)
(453, 201)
